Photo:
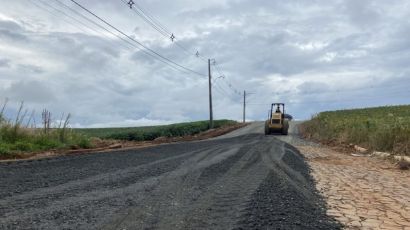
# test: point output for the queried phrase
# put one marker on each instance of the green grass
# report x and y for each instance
(149, 133)
(17, 139)
(381, 128)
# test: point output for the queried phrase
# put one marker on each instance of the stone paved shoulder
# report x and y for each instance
(361, 192)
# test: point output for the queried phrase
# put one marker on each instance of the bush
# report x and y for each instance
(85, 143)
(381, 128)
(5, 150)
(23, 146)
(46, 142)
(16, 138)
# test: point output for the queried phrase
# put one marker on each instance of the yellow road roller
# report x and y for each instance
(278, 121)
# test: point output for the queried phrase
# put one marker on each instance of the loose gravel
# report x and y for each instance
(245, 180)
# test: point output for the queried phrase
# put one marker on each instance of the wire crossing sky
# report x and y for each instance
(163, 30)
(144, 48)
(112, 65)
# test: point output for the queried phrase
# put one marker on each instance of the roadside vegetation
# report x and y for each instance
(380, 129)
(149, 133)
(22, 135)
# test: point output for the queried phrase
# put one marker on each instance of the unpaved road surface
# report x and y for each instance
(361, 192)
(243, 180)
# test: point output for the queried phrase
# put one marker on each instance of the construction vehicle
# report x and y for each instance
(278, 121)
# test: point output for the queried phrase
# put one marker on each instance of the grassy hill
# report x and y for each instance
(149, 133)
(382, 128)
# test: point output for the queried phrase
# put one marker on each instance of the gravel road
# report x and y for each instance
(243, 180)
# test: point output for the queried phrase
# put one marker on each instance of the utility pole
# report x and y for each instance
(244, 105)
(211, 119)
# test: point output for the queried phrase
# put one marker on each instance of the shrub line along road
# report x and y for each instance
(243, 180)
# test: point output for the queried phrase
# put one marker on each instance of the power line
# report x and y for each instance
(67, 15)
(148, 21)
(219, 90)
(154, 23)
(229, 84)
(91, 21)
(105, 29)
(145, 12)
(98, 25)
(71, 17)
(147, 50)
(159, 24)
(166, 33)
(54, 14)
(94, 23)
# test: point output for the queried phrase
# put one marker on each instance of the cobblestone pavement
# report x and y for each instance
(361, 192)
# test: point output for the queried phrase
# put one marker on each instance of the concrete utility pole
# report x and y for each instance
(211, 119)
(244, 105)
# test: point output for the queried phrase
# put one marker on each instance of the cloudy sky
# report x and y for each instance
(314, 55)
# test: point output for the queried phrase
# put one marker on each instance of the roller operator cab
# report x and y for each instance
(278, 121)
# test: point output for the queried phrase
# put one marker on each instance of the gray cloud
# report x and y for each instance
(4, 63)
(313, 55)
(11, 30)
(27, 69)
(29, 91)
(11, 35)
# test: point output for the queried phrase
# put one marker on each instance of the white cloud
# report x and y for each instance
(328, 57)
(318, 45)
(301, 52)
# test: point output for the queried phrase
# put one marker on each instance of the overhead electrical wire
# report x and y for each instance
(71, 17)
(143, 13)
(164, 31)
(143, 48)
(95, 24)
(222, 93)
(151, 52)
(229, 84)
(148, 21)
(149, 15)
(218, 87)
(54, 14)
(197, 54)
(154, 23)
(221, 90)
(67, 15)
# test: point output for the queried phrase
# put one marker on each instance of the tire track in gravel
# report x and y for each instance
(84, 193)
(179, 189)
(247, 181)
(224, 200)
(286, 198)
